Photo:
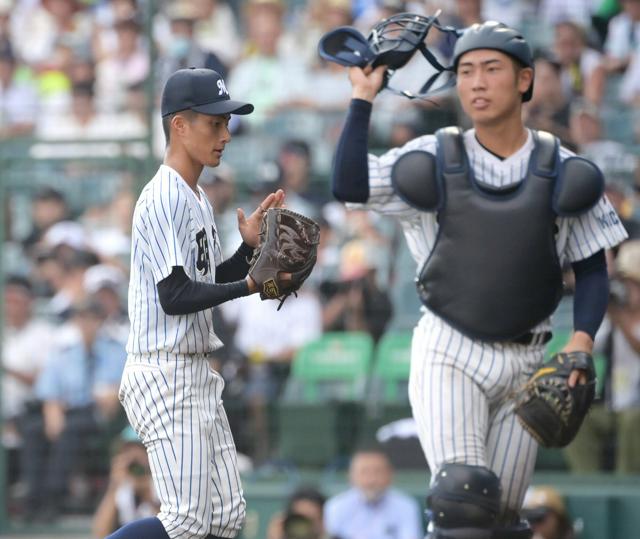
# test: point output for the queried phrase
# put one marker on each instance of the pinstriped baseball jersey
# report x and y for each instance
(459, 387)
(171, 227)
(170, 394)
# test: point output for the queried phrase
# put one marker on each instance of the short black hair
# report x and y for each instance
(166, 121)
(297, 146)
(83, 89)
(20, 282)
(49, 194)
(305, 493)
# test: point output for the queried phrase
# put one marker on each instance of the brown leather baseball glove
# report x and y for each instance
(289, 245)
(550, 410)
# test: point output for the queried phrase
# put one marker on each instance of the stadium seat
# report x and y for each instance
(335, 366)
(321, 412)
(391, 368)
(387, 396)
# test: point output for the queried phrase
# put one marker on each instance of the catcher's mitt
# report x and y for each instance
(548, 408)
(288, 244)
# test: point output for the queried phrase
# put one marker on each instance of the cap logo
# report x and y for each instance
(222, 89)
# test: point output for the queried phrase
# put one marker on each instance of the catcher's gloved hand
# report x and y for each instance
(288, 245)
(548, 408)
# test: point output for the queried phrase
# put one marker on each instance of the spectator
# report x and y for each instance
(583, 72)
(219, 186)
(306, 505)
(629, 91)
(546, 513)
(108, 226)
(326, 88)
(510, 12)
(619, 340)
(5, 19)
(85, 122)
(38, 26)
(376, 10)
(24, 348)
(62, 264)
(48, 207)
(549, 108)
(106, 16)
(130, 493)
(266, 77)
(311, 23)
(78, 389)
(371, 509)
(126, 66)
(467, 12)
(294, 159)
(216, 30)
(18, 97)
(105, 284)
(579, 12)
(355, 302)
(623, 37)
(181, 50)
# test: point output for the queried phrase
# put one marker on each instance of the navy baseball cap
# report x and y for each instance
(201, 90)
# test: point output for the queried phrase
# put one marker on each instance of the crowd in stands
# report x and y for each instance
(87, 70)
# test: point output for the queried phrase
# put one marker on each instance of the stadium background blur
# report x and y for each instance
(80, 134)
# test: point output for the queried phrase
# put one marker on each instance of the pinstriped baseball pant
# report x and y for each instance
(459, 391)
(174, 405)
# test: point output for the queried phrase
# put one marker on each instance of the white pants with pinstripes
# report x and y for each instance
(459, 391)
(174, 405)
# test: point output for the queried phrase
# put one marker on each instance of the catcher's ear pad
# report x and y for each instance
(345, 46)
(415, 179)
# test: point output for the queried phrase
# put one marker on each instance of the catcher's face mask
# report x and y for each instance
(392, 42)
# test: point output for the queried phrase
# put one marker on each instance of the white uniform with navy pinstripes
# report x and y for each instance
(459, 387)
(171, 395)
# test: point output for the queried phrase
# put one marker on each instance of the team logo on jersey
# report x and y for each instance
(202, 261)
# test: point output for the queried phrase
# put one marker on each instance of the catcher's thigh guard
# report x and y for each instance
(464, 502)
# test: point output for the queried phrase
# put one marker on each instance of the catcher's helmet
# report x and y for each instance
(392, 42)
(497, 36)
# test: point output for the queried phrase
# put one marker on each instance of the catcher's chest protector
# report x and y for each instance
(494, 272)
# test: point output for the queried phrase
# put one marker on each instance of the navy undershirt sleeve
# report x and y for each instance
(592, 293)
(235, 267)
(350, 178)
(180, 295)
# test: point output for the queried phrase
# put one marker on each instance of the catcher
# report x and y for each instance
(489, 215)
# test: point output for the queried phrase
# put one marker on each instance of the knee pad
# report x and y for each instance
(464, 502)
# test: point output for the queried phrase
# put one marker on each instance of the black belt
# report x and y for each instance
(530, 337)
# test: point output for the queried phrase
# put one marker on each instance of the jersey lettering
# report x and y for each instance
(202, 260)
(608, 219)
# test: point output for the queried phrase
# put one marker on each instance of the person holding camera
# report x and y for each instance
(130, 493)
(619, 340)
(355, 302)
(546, 512)
(302, 517)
